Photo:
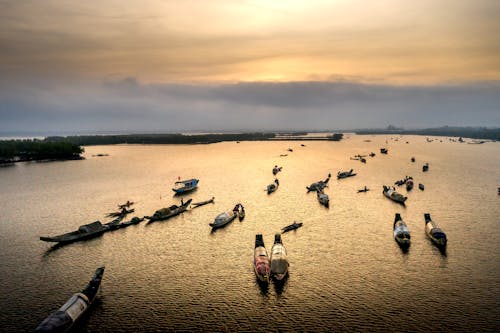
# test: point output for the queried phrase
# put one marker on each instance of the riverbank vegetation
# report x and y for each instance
(37, 150)
(465, 132)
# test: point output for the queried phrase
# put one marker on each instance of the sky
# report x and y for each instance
(227, 65)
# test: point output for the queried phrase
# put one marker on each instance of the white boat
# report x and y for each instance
(393, 195)
(223, 219)
(323, 198)
(401, 232)
(434, 232)
(279, 260)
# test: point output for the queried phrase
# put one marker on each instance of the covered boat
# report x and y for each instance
(323, 198)
(273, 187)
(293, 226)
(434, 232)
(276, 169)
(279, 260)
(409, 184)
(223, 219)
(63, 319)
(134, 220)
(393, 195)
(345, 174)
(383, 150)
(166, 213)
(421, 186)
(184, 186)
(318, 186)
(261, 260)
(85, 231)
(401, 232)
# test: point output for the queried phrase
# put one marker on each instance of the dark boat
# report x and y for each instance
(276, 169)
(126, 205)
(224, 218)
(383, 150)
(434, 232)
(261, 265)
(241, 212)
(293, 226)
(134, 220)
(401, 232)
(278, 259)
(323, 198)
(121, 213)
(85, 231)
(413, 159)
(421, 186)
(166, 213)
(318, 186)
(345, 174)
(198, 204)
(63, 319)
(425, 167)
(409, 184)
(113, 225)
(393, 195)
(290, 149)
(273, 187)
(372, 154)
(185, 186)
(366, 189)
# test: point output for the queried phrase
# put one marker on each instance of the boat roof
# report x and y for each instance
(186, 181)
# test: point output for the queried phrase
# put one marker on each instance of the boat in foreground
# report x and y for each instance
(261, 260)
(166, 213)
(223, 219)
(293, 226)
(63, 319)
(85, 231)
(401, 232)
(184, 186)
(393, 195)
(345, 174)
(279, 260)
(434, 232)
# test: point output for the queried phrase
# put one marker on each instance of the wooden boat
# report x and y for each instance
(134, 220)
(383, 151)
(278, 259)
(319, 186)
(85, 231)
(113, 225)
(121, 213)
(421, 186)
(409, 184)
(126, 205)
(413, 159)
(223, 219)
(198, 204)
(345, 174)
(241, 212)
(290, 149)
(425, 167)
(293, 226)
(184, 186)
(166, 213)
(261, 265)
(276, 169)
(366, 189)
(401, 232)
(434, 232)
(393, 195)
(372, 154)
(323, 198)
(273, 187)
(63, 319)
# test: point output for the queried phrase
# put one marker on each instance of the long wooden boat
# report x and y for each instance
(85, 231)
(184, 186)
(318, 186)
(223, 219)
(345, 174)
(279, 260)
(434, 232)
(122, 213)
(202, 203)
(134, 220)
(166, 213)
(401, 232)
(63, 319)
(290, 227)
(261, 265)
(393, 195)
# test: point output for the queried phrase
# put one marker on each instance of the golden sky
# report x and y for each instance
(384, 41)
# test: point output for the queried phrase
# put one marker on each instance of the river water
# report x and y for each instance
(346, 271)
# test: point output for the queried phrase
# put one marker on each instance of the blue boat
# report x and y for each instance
(184, 186)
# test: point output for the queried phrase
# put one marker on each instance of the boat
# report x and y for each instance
(126, 205)
(121, 213)
(323, 198)
(425, 167)
(278, 259)
(134, 220)
(63, 319)
(421, 186)
(372, 154)
(434, 232)
(166, 213)
(345, 174)
(290, 149)
(366, 189)
(401, 232)
(302, 145)
(85, 231)
(393, 195)
(184, 186)
(293, 226)
(383, 151)
(202, 203)
(363, 160)
(413, 159)
(409, 184)
(241, 212)
(276, 169)
(273, 187)
(223, 219)
(113, 225)
(318, 186)
(261, 265)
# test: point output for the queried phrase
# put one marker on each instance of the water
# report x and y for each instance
(346, 271)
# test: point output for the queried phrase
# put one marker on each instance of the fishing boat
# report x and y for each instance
(85, 231)
(126, 205)
(401, 232)
(318, 186)
(261, 265)
(121, 213)
(223, 219)
(293, 226)
(409, 184)
(393, 195)
(241, 212)
(279, 261)
(413, 159)
(63, 319)
(421, 186)
(383, 150)
(372, 154)
(345, 174)
(434, 232)
(276, 169)
(425, 167)
(184, 186)
(366, 189)
(166, 213)
(202, 203)
(273, 187)
(113, 225)
(323, 198)
(134, 220)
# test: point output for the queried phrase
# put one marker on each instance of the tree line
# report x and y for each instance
(36, 150)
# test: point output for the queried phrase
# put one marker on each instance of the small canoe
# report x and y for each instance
(421, 186)
(401, 232)
(393, 195)
(261, 265)
(276, 169)
(273, 187)
(85, 231)
(293, 226)
(345, 174)
(202, 203)
(126, 205)
(185, 186)
(166, 213)
(63, 319)
(434, 232)
(223, 219)
(278, 259)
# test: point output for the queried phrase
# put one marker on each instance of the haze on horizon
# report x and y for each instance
(247, 65)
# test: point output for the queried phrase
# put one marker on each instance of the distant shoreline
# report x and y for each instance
(479, 133)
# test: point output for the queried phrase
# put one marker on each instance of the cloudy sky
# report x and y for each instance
(151, 65)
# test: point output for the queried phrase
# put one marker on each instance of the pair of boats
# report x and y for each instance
(227, 217)
(168, 212)
(273, 186)
(432, 230)
(185, 186)
(346, 174)
(390, 192)
(63, 319)
(276, 265)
